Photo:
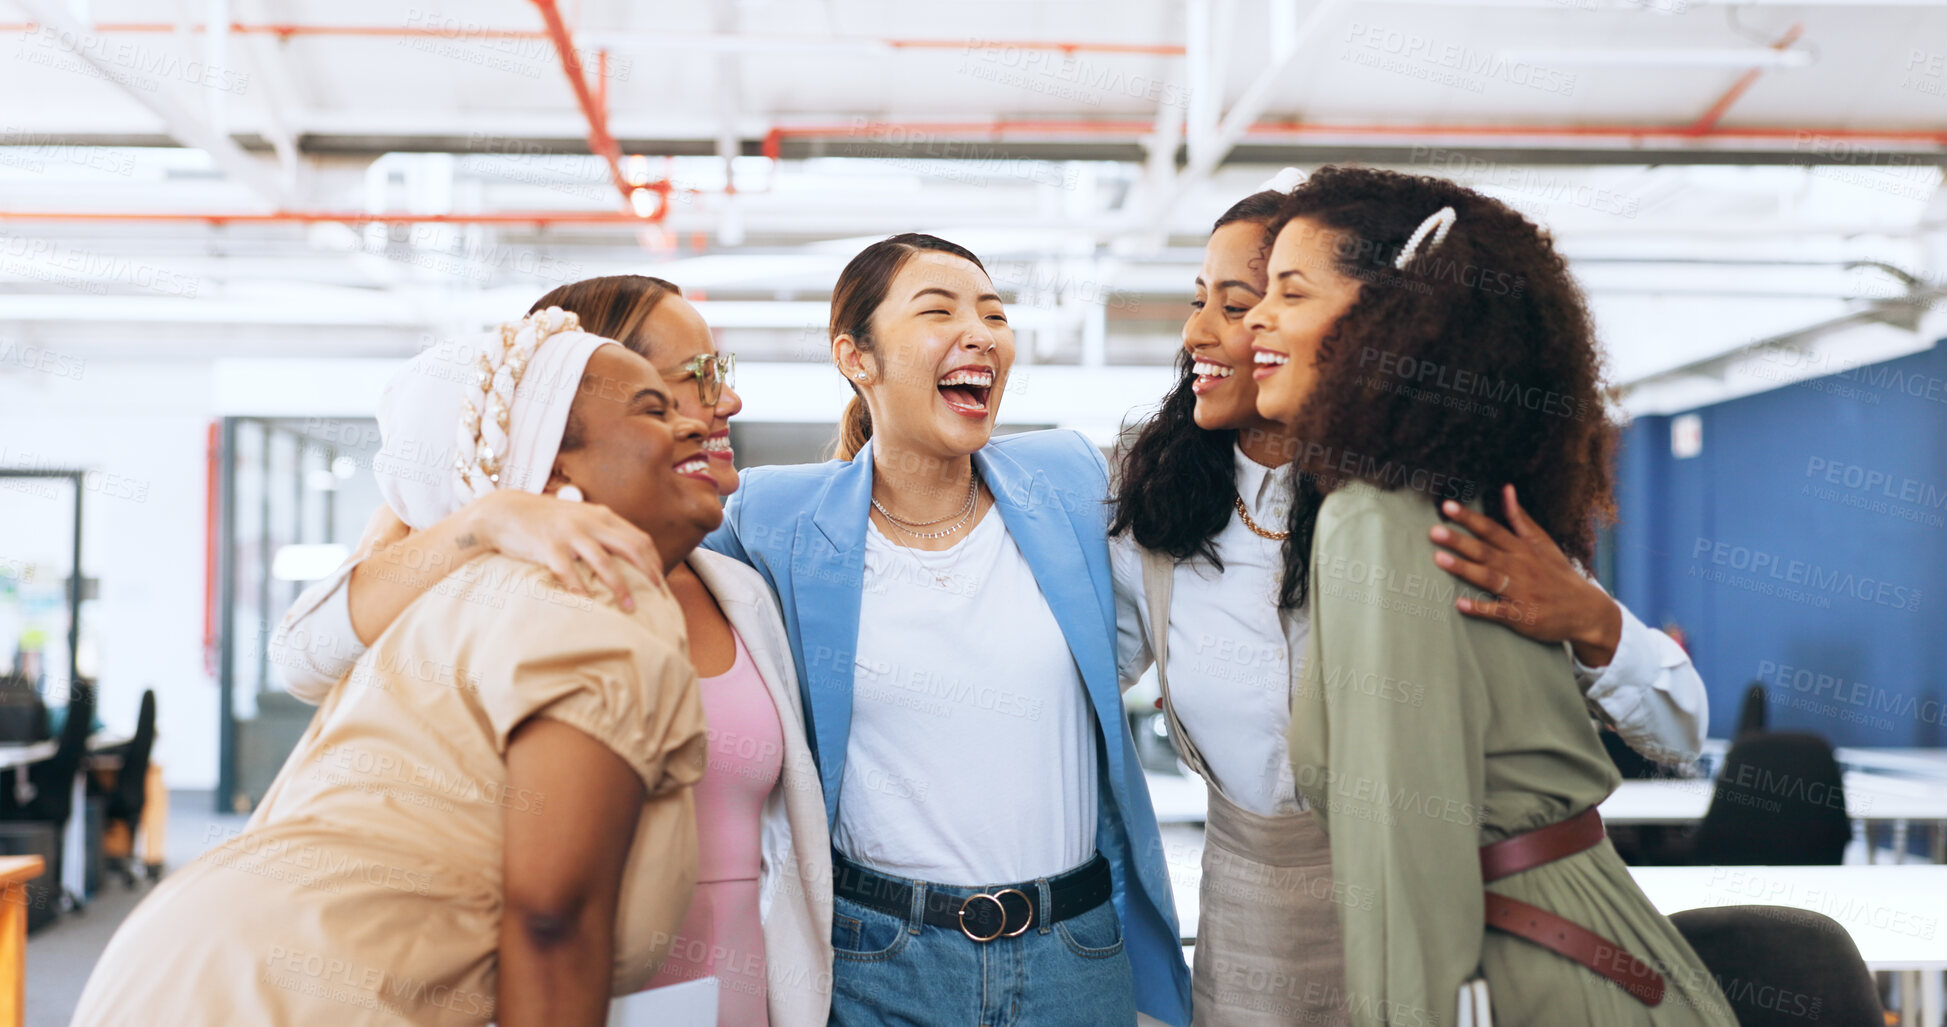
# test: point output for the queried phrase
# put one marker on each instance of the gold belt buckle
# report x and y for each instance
(995, 898)
(997, 905)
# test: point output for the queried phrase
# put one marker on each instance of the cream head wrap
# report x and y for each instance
(465, 418)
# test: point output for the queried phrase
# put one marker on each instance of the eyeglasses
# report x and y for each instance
(712, 372)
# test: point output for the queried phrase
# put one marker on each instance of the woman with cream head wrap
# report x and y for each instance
(761, 921)
(489, 819)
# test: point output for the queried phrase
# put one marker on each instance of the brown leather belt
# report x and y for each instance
(1563, 937)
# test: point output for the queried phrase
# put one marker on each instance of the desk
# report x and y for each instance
(1910, 761)
(74, 837)
(1897, 915)
(1914, 762)
(19, 754)
(1177, 798)
(15, 872)
(1869, 797)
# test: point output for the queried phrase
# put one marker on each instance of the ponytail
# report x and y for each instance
(854, 428)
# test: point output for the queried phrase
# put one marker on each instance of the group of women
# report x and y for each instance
(852, 744)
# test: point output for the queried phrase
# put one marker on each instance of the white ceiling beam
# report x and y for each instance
(281, 93)
(1661, 57)
(183, 124)
(1287, 41)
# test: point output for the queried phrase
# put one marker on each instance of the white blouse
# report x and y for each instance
(1229, 667)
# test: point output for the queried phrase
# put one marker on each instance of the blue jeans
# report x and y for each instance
(898, 971)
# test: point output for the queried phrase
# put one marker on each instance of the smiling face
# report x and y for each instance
(1229, 285)
(939, 355)
(629, 448)
(1307, 295)
(671, 336)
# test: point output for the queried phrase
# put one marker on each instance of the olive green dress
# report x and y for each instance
(1418, 735)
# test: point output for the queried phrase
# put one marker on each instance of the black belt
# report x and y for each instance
(1007, 911)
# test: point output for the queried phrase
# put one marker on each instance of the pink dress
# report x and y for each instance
(723, 935)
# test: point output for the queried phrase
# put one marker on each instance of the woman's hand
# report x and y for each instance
(545, 530)
(1538, 591)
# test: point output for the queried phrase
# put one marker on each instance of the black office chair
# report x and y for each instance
(23, 716)
(1783, 967)
(123, 800)
(1780, 801)
(51, 795)
(1751, 717)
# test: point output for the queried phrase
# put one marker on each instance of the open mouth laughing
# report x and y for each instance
(1209, 374)
(1268, 361)
(696, 466)
(966, 390)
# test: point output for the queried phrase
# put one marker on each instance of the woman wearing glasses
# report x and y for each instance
(761, 919)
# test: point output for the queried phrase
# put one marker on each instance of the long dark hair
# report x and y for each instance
(861, 288)
(1472, 367)
(1177, 479)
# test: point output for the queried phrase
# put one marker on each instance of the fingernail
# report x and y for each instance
(1450, 506)
(1465, 605)
(628, 603)
(1442, 559)
(1440, 533)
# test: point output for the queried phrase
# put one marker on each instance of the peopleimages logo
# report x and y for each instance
(1768, 572)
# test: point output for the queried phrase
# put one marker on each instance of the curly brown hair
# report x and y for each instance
(1473, 366)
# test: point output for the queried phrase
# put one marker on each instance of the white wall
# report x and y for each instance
(144, 427)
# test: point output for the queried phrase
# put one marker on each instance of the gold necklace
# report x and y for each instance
(1275, 536)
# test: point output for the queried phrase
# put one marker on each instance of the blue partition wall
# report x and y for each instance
(1803, 547)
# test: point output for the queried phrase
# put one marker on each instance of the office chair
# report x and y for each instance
(28, 824)
(1780, 801)
(1752, 716)
(123, 799)
(1783, 967)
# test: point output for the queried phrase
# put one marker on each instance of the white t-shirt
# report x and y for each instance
(972, 751)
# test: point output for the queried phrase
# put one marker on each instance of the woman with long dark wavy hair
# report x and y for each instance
(1199, 529)
(1453, 766)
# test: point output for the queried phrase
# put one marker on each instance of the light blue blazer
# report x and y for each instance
(803, 527)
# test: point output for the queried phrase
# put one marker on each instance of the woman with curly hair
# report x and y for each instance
(1426, 346)
(1198, 552)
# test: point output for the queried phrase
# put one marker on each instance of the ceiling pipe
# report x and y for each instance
(995, 130)
(1703, 125)
(541, 218)
(600, 143)
(659, 40)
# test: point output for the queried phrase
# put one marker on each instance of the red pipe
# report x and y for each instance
(599, 141)
(1710, 118)
(542, 218)
(212, 514)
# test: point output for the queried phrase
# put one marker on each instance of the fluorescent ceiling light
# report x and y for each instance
(1687, 57)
